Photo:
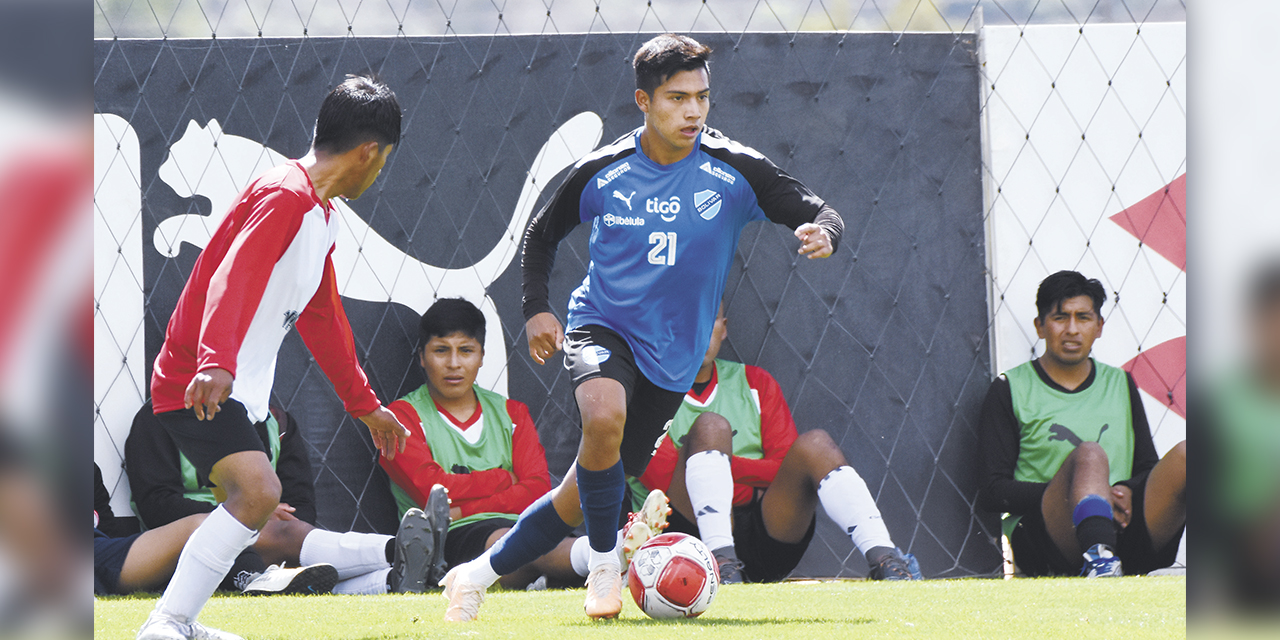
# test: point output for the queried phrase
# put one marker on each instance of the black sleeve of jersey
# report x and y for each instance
(548, 227)
(1144, 448)
(999, 435)
(155, 474)
(783, 199)
(294, 469)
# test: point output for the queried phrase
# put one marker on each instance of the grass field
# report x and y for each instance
(1127, 608)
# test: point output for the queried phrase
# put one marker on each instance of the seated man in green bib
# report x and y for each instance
(478, 445)
(1067, 453)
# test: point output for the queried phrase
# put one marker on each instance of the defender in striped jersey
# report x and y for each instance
(666, 204)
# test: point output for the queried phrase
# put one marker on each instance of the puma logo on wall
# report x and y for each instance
(215, 165)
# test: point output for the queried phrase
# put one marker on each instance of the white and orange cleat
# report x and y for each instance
(604, 592)
(645, 524)
(464, 597)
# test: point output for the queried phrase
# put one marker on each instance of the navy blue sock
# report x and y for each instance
(536, 533)
(1093, 522)
(600, 493)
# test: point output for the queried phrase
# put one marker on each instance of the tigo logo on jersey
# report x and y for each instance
(718, 172)
(667, 210)
(613, 173)
(707, 203)
(626, 221)
(595, 354)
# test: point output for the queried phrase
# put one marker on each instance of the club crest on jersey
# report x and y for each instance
(613, 173)
(290, 317)
(627, 199)
(707, 203)
(595, 354)
(626, 221)
(718, 172)
(666, 209)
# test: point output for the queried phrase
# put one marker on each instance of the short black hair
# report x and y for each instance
(666, 55)
(1063, 286)
(1264, 289)
(448, 316)
(357, 111)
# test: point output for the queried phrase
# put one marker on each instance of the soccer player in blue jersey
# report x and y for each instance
(666, 204)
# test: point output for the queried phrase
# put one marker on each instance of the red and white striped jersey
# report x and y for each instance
(267, 268)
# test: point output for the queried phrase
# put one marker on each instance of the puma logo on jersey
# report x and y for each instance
(627, 199)
(1059, 432)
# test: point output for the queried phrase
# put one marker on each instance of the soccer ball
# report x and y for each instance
(673, 575)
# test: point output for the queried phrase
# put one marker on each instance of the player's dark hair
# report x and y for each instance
(1264, 289)
(1063, 286)
(357, 111)
(666, 55)
(448, 316)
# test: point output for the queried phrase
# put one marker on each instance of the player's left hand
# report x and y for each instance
(207, 390)
(1122, 505)
(814, 241)
(284, 511)
(389, 436)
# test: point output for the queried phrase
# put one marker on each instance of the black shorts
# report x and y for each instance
(763, 558)
(205, 442)
(108, 561)
(466, 543)
(1036, 555)
(593, 351)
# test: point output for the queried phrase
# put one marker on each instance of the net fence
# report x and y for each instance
(972, 148)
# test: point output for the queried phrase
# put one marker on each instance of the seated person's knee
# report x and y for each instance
(710, 431)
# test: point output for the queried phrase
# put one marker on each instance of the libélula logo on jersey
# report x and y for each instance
(613, 173)
(667, 209)
(626, 221)
(707, 202)
(595, 354)
(718, 172)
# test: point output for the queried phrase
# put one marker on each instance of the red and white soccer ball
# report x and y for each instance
(673, 575)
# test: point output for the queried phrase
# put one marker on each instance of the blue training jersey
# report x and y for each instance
(662, 242)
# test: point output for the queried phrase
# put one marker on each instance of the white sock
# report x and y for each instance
(580, 554)
(597, 558)
(709, 478)
(372, 583)
(845, 498)
(480, 571)
(205, 560)
(351, 553)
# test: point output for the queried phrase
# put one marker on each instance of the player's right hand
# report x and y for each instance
(546, 336)
(207, 390)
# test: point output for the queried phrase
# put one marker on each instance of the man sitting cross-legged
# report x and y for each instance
(733, 448)
(1068, 455)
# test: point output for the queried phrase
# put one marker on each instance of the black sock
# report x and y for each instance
(875, 555)
(726, 553)
(1096, 530)
(391, 551)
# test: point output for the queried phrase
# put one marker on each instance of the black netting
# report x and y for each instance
(886, 345)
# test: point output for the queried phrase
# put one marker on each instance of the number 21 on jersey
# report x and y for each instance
(663, 243)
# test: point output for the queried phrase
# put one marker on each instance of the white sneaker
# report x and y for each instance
(604, 592)
(464, 597)
(160, 626)
(312, 579)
